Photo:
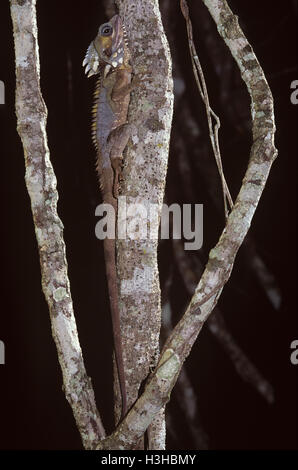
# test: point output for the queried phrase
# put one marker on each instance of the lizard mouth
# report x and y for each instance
(116, 53)
(116, 21)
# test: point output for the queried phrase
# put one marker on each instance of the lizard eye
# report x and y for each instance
(106, 30)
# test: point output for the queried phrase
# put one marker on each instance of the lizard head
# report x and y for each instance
(108, 48)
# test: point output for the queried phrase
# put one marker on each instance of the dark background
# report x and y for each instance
(33, 411)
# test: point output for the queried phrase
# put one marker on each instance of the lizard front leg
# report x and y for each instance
(124, 88)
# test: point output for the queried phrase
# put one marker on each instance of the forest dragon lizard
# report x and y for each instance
(108, 55)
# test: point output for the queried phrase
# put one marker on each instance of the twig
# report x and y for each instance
(201, 83)
(264, 276)
(245, 368)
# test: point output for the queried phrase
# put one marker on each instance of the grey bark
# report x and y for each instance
(41, 185)
(150, 115)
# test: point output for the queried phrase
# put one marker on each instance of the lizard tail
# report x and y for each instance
(111, 273)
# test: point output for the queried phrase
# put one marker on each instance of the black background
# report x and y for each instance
(33, 411)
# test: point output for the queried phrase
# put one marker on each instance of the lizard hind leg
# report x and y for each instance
(118, 140)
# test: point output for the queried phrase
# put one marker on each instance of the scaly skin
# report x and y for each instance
(109, 56)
